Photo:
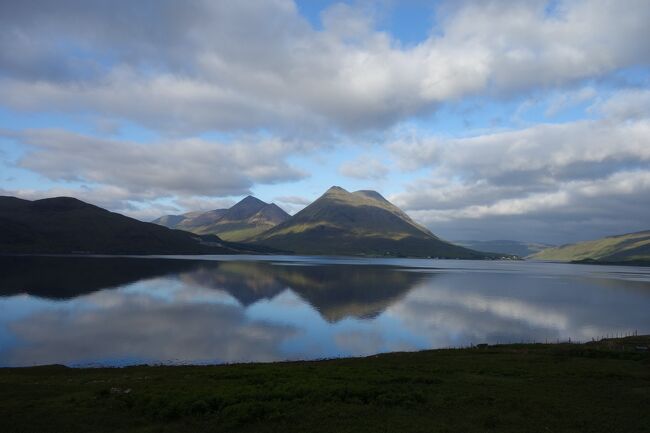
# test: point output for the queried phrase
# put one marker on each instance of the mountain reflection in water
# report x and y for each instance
(118, 310)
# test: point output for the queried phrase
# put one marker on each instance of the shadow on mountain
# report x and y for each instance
(58, 277)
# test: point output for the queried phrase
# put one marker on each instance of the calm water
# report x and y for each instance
(118, 311)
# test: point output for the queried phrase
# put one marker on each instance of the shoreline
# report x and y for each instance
(624, 343)
(594, 386)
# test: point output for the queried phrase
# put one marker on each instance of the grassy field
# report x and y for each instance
(631, 247)
(595, 387)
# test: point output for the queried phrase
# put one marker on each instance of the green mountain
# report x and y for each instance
(631, 247)
(193, 220)
(358, 223)
(68, 225)
(190, 220)
(241, 222)
(169, 221)
(517, 248)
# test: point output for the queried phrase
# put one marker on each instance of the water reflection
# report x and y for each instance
(125, 310)
(68, 277)
(130, 330)
(335, 292)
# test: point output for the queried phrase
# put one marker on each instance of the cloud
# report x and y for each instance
(192, 68)
(259, 72)
(560, 182)
(141, 206)
(570, 195)
(293, 199)
(364, 167)
(558, 212)
(567, 99)
(204, 203)
(131, 178)
(185, 167)
(540, 152)
(292, 204)
(631, 104)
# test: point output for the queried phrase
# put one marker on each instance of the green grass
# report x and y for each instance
(243, 234)
(627, 247)
(601, 387)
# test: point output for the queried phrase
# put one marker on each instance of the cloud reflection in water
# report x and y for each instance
(125, 311)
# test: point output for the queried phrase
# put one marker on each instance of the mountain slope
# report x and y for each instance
(250, 217)
(517, 248)
(68, 225)
(194, 220)
(190, 220)
(622, 248)
(359, 223)
(169, 221)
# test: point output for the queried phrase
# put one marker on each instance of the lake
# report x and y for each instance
(91, 311)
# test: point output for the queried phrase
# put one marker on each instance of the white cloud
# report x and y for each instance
(548, 182)
(283, 74)
(293, 199)
(536, 154)
(203, 203)
(132, 178)
(567, 99)
(364, 167)
(187, 166)
(631, 104)
(258, 67)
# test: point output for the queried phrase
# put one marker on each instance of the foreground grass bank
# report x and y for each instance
(595, 387)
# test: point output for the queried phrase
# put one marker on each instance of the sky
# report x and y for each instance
(483, 120)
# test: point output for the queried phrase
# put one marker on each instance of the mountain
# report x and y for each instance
(631, 247)
(244, 220)
(169, 221)
(358, 223)
(517, 248)
(194, 220)
(190, 220)
(248, 218)
(68, 225)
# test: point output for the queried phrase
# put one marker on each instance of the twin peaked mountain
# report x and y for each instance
(337, 223)
(243, 221)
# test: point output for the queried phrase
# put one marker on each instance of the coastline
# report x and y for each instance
(595, 386)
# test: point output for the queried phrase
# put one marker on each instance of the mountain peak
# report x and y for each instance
(370, 194)
(68, 225)
(359, 223)
(250, 199)
(62, 203)
(335, 189)
(245, 219)
(245, 209)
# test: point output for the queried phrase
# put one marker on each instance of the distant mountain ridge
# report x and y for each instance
(630, 247)
(358, 223)
(64, 225)
(517, 248)
(361, 223)
(244, 220)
